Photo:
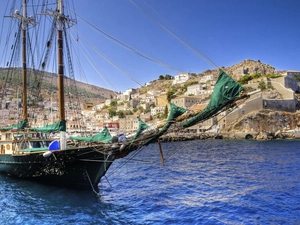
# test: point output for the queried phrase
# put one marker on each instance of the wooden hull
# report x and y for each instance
(74, 168)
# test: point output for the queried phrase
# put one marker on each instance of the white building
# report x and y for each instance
(206, 78)
(181, 78)
(98, 107)
(147, 98)
(156, 110)
(194, 89)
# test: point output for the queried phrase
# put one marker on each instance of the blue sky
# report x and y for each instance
(226, 31)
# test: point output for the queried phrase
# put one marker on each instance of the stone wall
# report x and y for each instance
(280, 86)
(252, 104)
(280, 105)
(287, 82)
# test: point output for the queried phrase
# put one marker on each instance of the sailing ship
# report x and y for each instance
(80, 162)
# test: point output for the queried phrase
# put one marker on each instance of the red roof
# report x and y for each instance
(197, 107)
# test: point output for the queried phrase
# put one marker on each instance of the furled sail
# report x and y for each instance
(51, 128)
(104, 136)
(142, 126)
(175, 111)
(226, 91)
(19, 126)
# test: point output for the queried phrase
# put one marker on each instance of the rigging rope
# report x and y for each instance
(138, 150)
(109, 61)
(94, 67)
(127, 46)
(193, 48)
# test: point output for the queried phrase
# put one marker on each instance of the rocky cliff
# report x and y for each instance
(265, 121)
(249, 66)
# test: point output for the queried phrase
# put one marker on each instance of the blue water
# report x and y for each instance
(201, 182)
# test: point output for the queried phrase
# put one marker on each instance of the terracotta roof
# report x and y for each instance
(198, 107)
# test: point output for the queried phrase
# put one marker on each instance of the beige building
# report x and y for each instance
(194, 89)
(157, 109)
(186, 101)
(161, 100)
(131, 123)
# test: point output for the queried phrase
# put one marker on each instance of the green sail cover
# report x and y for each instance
(225, 92)
(142, 126)
(175, 111)
(52, 128)
(19, 126)
(104, 136)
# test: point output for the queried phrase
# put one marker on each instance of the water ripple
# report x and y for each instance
(202, 182)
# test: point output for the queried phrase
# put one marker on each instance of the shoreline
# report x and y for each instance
(179, 136)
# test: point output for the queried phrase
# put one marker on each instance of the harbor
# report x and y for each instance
(209, 181)
(179, 136)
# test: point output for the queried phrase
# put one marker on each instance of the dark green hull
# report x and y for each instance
(74, 168)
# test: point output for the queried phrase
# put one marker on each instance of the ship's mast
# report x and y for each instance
(24, 25)
(61, 20)
(24, 60)
(61, 99)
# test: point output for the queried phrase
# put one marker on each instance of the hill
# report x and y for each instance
(236, 71)
(95, 94)
(86, 92)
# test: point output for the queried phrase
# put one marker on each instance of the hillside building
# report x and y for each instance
(186, 101)
(181, 78)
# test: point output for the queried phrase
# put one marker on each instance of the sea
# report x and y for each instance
(199, 182)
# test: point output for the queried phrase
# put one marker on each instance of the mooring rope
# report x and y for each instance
(139, 149)
(97, 193)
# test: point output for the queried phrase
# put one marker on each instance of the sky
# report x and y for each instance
(182, 36)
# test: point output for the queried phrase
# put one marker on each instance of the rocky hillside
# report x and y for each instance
(266, 121)
(249, 66)
(86, 92)
(236, 71)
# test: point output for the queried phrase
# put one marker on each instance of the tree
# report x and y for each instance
(297, 77)
(256, 75)
(112, 112)
(244, 79)
(128, 112)
(161, 77)
(147, 110)
(262, 85)
(166, 112)
(114, 103)
(171, 94)
(168, 77)
(121, 114)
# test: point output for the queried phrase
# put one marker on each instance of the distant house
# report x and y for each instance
(130, 91)
(147, 97)
(206, 78)
(98, 107)
(186, 101)
(88, 106)
(194, 89)
(107, 102)
(292, 73)
(130, 123)
(161, 100)
(102, 116)
(181, 78)
(157, 109)
(121, 107)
